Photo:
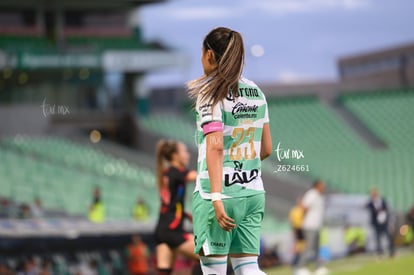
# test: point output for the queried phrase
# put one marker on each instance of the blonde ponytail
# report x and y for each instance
(228, 49)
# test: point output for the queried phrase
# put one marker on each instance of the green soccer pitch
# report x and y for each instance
(363, 265)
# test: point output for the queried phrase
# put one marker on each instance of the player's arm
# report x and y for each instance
(214, 159)
(191, 176)
(266, 147)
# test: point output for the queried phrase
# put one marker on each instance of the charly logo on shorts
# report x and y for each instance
(218, 244)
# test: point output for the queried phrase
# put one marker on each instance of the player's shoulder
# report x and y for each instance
(248, 82)
(203, 103)
(310, 193)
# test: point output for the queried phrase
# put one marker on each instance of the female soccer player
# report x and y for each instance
(233, 138)
(172, 176)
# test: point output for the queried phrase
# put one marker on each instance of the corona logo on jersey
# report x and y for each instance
(243, 91)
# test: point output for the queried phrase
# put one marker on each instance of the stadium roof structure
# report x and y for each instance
(383, 68)
(83, 4)
(107, 60)
(99, 46)
(381, 53)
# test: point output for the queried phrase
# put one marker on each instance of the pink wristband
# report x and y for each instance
(214, 126)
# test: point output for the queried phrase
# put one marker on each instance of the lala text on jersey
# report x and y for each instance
(240, 177)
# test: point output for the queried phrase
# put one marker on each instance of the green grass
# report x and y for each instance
(363, 265)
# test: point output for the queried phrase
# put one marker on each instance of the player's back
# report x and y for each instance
(243, 118)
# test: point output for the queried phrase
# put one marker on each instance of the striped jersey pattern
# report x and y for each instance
(243, 118)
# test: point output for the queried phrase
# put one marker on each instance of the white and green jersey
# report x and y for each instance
(241, 119)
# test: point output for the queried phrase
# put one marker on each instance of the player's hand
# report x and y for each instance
(225, 222)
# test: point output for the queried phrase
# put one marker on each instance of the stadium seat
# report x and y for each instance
(170, 126)
(65, 180)
(339, 156)
(388, 114)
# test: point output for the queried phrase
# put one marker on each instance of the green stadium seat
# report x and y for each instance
(65, 180)
(170, 126)
(337, 155)
(388, 114)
